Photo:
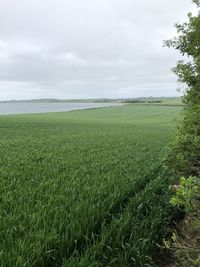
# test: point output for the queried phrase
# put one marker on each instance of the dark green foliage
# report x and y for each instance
(184, 157)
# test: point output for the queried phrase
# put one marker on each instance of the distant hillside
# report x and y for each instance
(139, 100)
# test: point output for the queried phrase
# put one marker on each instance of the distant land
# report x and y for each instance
(138, 100)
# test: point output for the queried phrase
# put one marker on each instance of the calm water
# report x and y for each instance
(21, 108)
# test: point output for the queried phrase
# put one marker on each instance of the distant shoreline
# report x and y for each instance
(96, 100)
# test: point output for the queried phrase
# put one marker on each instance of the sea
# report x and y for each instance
(31, 107)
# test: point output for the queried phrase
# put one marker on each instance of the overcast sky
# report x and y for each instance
(88, 48)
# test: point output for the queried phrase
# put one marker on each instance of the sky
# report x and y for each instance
(88, 48)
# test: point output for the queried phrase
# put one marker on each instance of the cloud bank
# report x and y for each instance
(87, 49)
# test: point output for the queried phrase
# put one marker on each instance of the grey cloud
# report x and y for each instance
(90, 48)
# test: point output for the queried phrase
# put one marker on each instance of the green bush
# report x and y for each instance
(185, 240)
(184, 155)
(187, 194)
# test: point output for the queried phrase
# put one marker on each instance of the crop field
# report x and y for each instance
(84, 188)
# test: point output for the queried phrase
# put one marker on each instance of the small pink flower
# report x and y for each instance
(176, 186)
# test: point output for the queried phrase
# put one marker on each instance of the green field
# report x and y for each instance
(84, 188)
(158, 102)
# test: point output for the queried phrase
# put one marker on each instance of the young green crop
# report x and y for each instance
(65, 176)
